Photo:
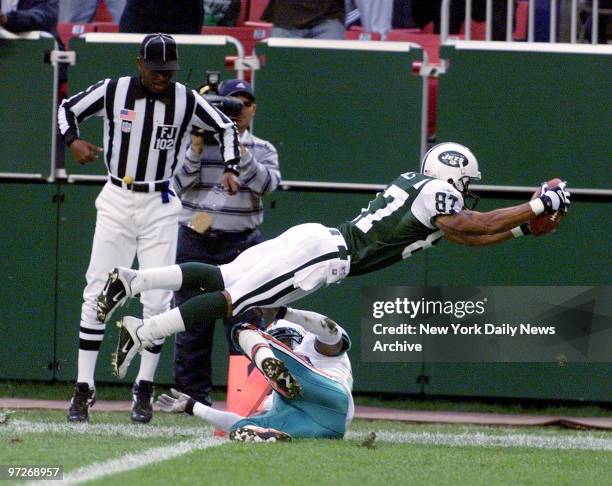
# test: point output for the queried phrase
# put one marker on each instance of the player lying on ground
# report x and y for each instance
(303, 356)
(413, 213)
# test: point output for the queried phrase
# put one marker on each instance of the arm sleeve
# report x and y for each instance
(189, 172)
(259, 169)
(79, 107)
(208, 117)
(326, 330)
(436, 198)
(42, 15)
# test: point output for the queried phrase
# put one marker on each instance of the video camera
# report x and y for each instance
(228, 105)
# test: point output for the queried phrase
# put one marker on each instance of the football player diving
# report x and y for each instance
(413, 213)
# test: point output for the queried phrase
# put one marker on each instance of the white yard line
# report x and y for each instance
(134, 461)
(468, 438)
(480, 439)
(130, 430)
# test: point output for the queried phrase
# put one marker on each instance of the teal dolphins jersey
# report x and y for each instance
(399, 222)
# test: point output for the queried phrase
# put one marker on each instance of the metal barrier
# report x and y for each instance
(575, 9)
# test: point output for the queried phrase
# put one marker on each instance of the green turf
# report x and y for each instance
(319, 462)
(336, 463)
(63, 391)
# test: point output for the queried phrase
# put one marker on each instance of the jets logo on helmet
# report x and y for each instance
(453, 163)
(453, 159)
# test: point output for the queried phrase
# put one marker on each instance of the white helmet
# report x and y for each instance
(453, 163)
(287, 332)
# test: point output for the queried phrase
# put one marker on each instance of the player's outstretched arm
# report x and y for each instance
(485, 240)
(473, 223)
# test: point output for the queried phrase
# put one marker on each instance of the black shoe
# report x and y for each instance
(279, 378)
(142, 402)
(81, 400)
(115, 292)
(252, 433)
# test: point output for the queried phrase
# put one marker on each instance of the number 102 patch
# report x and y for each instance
(165, 137)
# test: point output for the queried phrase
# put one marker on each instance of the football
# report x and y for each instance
(545, 223)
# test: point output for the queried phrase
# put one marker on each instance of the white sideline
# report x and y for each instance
(135, 460)
(129, 430)
(501, 437)
(480, 439)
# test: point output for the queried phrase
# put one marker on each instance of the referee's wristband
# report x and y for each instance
(69, 138)
(235, 168)
(189, 407)
(522, 230)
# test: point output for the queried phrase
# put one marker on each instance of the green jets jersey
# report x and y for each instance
(399, 222)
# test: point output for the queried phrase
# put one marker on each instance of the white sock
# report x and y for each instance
(217, 418)
(87, 366)
(162, 325)
(148, 365)
(248, 340)
(168, 278)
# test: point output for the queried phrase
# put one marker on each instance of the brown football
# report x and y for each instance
(545, 223)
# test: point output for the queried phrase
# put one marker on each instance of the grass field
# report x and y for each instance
(181, 450)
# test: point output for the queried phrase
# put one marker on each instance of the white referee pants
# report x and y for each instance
(129, 224)
(292, 265)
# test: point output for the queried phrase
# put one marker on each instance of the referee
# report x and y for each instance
(147, 124)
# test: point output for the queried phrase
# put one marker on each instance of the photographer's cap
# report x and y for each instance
(159, 52)
(233, 87)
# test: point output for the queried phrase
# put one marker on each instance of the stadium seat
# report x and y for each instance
(244, 13)
(522, 19)
(68, 30)
(103, 14)
(361, 35)
(256, 9)
(248, 36)
(105, 27)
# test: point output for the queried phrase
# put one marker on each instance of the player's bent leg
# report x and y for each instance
(284, 416)
(256, 348)
(323, 399)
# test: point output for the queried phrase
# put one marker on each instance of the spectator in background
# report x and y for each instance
(373, 15)
(321, 19)
(26, 15)
(215, 229)
(604, 34)
(171, 16)
(221, 12)
(426, 11)
(84, 11)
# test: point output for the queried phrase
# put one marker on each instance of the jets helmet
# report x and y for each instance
(453, 163)
(286, 332)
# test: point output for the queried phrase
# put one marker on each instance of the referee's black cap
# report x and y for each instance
(159, 52)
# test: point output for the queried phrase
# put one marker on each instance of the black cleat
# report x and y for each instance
(142, 402)
(129, 345)
(279, 377)
(252, 433)
(115, 292)
(82, 398)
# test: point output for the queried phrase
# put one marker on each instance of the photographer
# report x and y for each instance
(215, 227)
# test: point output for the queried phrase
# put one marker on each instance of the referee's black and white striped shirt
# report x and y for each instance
(146, 135)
